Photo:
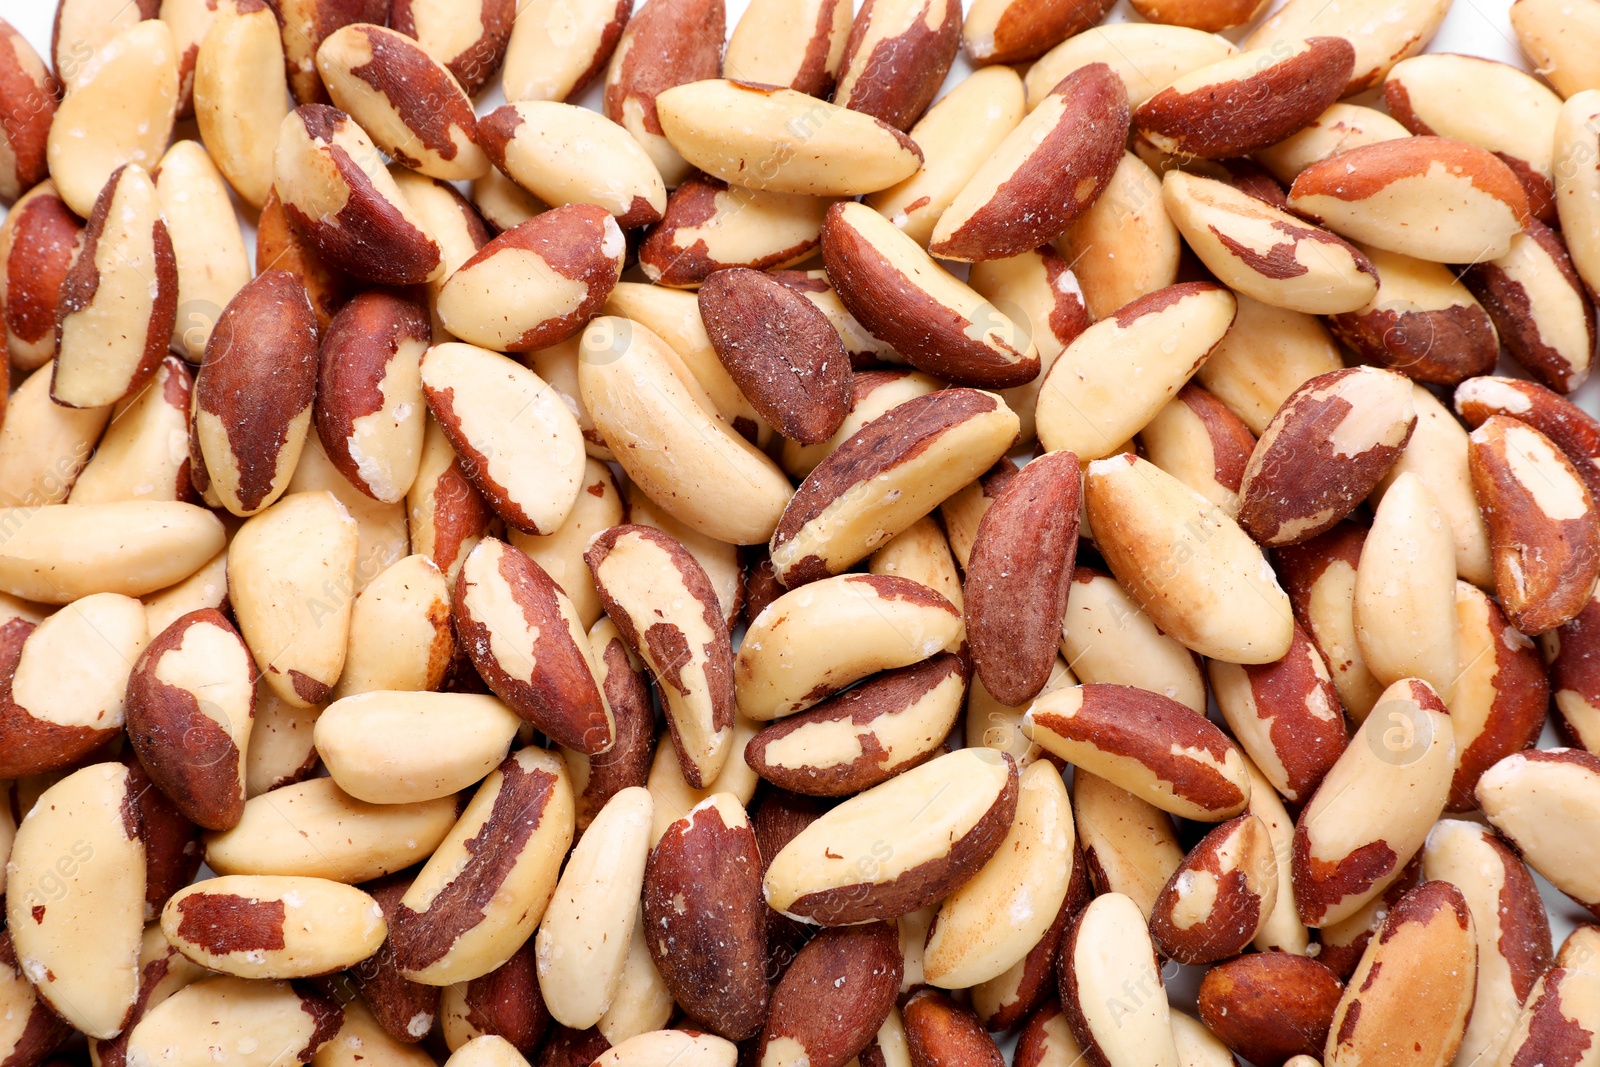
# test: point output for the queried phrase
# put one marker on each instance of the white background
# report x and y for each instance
(1474, 27)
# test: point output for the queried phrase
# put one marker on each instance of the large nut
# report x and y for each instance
(277, 1021)
(1382, 32)
(57, 554)
(663, 45)
(1538, 799)
(565, 154)
(241, 95)
(1106, 954)
(799, 48)
(835, 997)
(39, 239)
(897, 56)
(557, 48)
(1539, 307)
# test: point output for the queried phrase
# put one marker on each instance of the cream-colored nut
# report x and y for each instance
(145, 454)
(1203, 444)
(678, 1047)
(711, 226)
(599, 507)
(1341, 127)
(503, 203)
(922, 554)
(721, 561)
(56, 554)
(557, 48)
(486, 1050)
(400, 635)
(674, 798)
(1148, 57)
(75, 898)
(583, 939)
(382, 537)
(1106, 952)
(278, 1023)
(241, 95)
(797, 46)
(362, 1038)
(1281, 930)
(281, 750)
(1107, 637)
(273, 926)
(874, 393)
(1558, 39)
(558, 366)
(1383, 32)
(206, 243)
(316, 829)
(1267, 354)
(118, 110)
(1577, 145)
(642, 1002)
(1130, 845)
(83, 27)
(1539, 800)
(402, 748)
(1125, 246)
(565, 154)
(290, 579)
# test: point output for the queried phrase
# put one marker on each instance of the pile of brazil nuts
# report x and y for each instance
(789, 568)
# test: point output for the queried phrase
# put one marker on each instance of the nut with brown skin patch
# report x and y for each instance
(527, 643)
(507, 1003)
(39, 239)
(1570, 652)
(1197, 440)
(253, 394)
(556, 52)
(191, 698)
(663, 45)
(1211, 15)
(840, 870)
(1410, 997)
(1431, 198)
(1270, 1006)
(279, 246)
(780, 350)
(1217, 902)
(798, 48)
(471, 46)
(1573, 430)
(704, 920)
(1009, 31)
(1107, 637)
(333, 191)
(446, 515)
(1536, 800)
(407, 101)
(1320, 577)
(1382, 32)
(941, 1033)
(1324, 452)
(1106, 956)
(256, 926)
(31, 93)
(297, 1020)
(305, 25)
(1046, 1039)
(873, 394)
(897, 56)
(1539, 306)
(834, 996)
(405, 1010)
(1501, 697)
(1540, 514)
(1044, 175)
(1556, 1025)
(711, 226)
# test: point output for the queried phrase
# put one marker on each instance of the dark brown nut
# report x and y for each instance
(119, 300)
(279, 246)
(799, 48)
(1430, 198)
(1541, 518)
(1270, 1006)
(29, 93)
(253, 394)
(1044, 175)
(1247, 101)
(710, 226)
(916, 455)
(572, 1048)
(1215, 904)
(665, 608)
(1285, 715)
(1146, 743)
(1573, 430)
(335, 191)
(470, 40)
(901, 295)
(526, 642)
(536, 284)
(781, 350)
(1423, 322)
(406, 1010)
(190, 702)
(1324, 452)
(833, 998)
(897, 56)
(39, 239)
(305, 25)
(704, 918)
(941, 1033)
(172, 848)
(1413, 988)
(867, 735)
(1500, 698)
(507, 1003)
(1018, 575)
(596, 779)
(865, 350)
(1320, 576)
(1540, 307)
(1014, 31)
(664, 44)
(369, 408)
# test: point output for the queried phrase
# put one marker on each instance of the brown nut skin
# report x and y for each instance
(1575, 431)
(279, 246)
(888, 693)
(1021, 30)
(253, 394)
(507, 1002)
(1523, 319)
(780, 350)
(663, 45)
(1557, 1024)
(1212, 16)
(172, 852)
(405, 1009)
(1270, 1006)
(1573, 655)
(305, 25)
(941, 1033)
(30, 745)
(700, 207)
(1265, 102)
(835, 995)
(1500, 700)
(894, 78)
(38, 242)
(1541, 518)
(572, 1048)
(362, 340)
(1018, 576)
(41, 1030)
(1324, 452)
(705, 920)
(627, 762)
(189, 751)
(30, 94)
(1236, 861)
(430, 23)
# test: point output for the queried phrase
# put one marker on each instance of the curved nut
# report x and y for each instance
(565, 154)
(1539, 307)
(405, 748)
(835, 996)
(241, 95)
(558, 48)
(39, 240)
(266, 926)
(471, 42)
(711, 226)
(1147, 57)
(31, 95)
(662, 46)
(1341, 127)
(263, 1015)
(1217, 902)
(1536, 799)
(1007, 31)
(798, 48)
(60, 553)
(1108, 951)
(1382, 32)
(1270, 1006)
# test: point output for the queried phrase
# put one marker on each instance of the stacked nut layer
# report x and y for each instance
(581, 593)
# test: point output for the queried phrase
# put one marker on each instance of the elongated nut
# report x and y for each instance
(1187, 563)
(1107, 637)
(663, 46)
(685, 1048)
(118, 110)
(1382, 33)
(1125, 246)
(781, 141)
(1425, 957)
(1203, 444)
(191, 699)
(241, 95)
(1325, 451)
(255, 926)
(1502, 696)
(1340, 127)
(1539, 307)
(711, 226)
(565, 154)
(119, 300)
(834, 872)
(207, 245)
(1270, 1005)
(699, 470)
(936, 1030)
(442, 932)
(798, 48)
(682, 638)
(556, 52)
(1536, 799)
(1427, 197)
(77, 870)
(530, 647)
(289, 579)
(876, 79)
(1106, 953)
(58, 554)
(1376, 805)
(253, 394)
(1005, 31)
(1572, 429)
(405, 748)
(1076, 135)
(470, 42)
(938, 323)
(41, 236)
(31, 91)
